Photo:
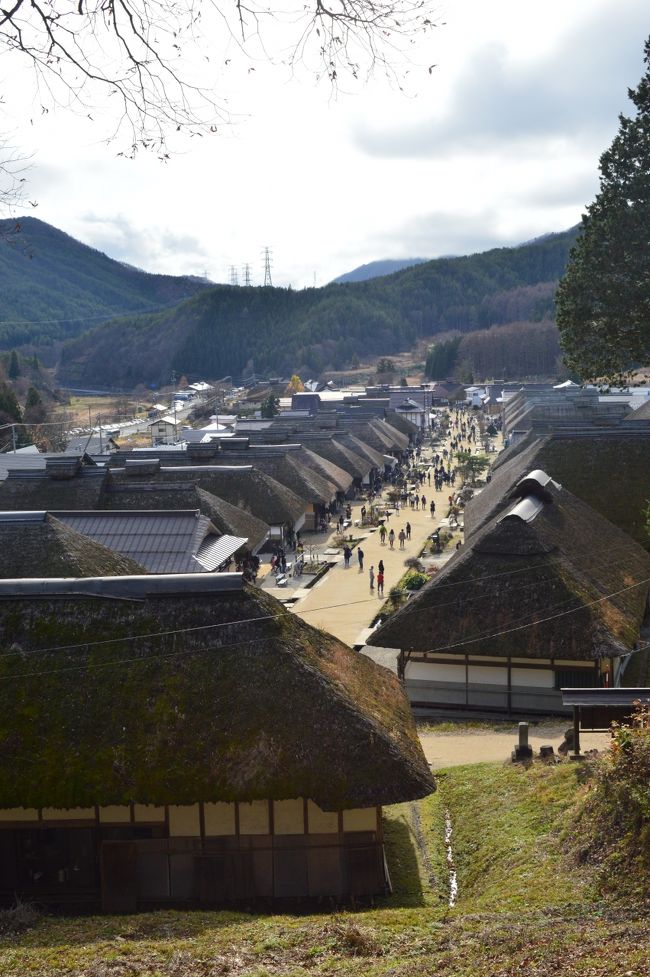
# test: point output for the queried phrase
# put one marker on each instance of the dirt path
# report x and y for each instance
(486, 746)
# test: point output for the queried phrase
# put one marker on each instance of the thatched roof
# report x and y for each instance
(334, 473)
(287, 468)
(39, 545)
(375, 457)
(402, 423)
(252, 703)
(127, 492)
(530, 565)
(611, 474)
(39, 491)
(334, 450)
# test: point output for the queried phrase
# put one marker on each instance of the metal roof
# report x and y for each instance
(162, 541)
(214, 551)
(604, 697)
(526, 510)
(136, 588)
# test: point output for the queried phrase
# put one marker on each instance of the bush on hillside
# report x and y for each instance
(613, 828)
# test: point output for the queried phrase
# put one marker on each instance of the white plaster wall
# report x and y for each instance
(184, 821)
(289, 817)
(254, 818)
(321, 822)
(219, 819)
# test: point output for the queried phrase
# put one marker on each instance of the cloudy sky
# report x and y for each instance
(495, 144)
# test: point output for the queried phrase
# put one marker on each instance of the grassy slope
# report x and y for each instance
(522, 909)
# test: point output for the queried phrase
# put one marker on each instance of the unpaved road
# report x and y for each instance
(487, 746)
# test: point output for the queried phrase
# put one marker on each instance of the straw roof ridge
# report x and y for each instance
(341, 478)
(512, 573)
(402, 424)
(334, 450)
(200, 716)
(231, 519)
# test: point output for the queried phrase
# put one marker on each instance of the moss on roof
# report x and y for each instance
(261, 706)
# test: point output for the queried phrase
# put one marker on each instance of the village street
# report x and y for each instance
(342, 602)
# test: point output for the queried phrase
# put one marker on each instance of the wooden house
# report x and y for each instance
(185, 740)
(546, 595)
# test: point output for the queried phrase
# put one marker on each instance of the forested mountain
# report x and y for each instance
(233, 330)
(54, 287)
(375, 269)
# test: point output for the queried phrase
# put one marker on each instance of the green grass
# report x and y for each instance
(523, 909)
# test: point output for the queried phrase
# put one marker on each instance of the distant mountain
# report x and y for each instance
(235, 330)
(375, 269)
(54, 287)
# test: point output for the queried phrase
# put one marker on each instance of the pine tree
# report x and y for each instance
(603, 301)
(14, 367)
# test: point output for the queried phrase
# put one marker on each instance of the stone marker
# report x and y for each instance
(522, 750)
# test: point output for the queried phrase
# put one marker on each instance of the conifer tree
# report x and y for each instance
(14, 366)
(603, 301)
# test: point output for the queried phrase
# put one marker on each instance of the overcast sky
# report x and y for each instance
(497, 144)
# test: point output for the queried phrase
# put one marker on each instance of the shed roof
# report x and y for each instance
(187, 699)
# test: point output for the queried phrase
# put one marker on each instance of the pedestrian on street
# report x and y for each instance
(371, 577)
(432, 508)
(380, 566)
(360, 555)
(347, 553)
(382, 534)
(380, 584)
(408, 530)
(402, 537)
(391, 538)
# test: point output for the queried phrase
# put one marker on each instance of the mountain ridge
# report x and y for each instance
(235, 330)
(56, 283)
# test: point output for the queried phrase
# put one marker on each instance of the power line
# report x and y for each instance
(268, 617)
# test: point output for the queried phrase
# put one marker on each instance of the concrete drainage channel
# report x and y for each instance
(451, 868)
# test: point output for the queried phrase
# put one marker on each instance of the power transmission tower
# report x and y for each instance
(247, 274)
(267, 266)
(234, 277)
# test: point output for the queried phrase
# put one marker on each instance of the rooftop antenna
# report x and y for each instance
(267, 266)
(234, 277)
(247, 274)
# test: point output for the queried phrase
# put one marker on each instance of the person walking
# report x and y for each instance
(380, 566)
(360, 555)
(347, 553)
(432, 508)
(380, 583)
(391, 538)
(408, 530)
(371, 577)
(402, 538)
(382, 534)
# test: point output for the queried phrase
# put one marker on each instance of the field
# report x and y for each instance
(524, 908)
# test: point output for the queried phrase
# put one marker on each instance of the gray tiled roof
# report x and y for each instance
(161, 541)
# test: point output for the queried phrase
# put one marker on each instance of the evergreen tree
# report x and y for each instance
(9, 409)
(603, 301)
(270, 407)
(35, 412)
(14, 367)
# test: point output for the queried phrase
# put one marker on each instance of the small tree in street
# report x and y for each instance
(471, 467)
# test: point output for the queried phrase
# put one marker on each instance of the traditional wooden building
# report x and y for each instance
(546, 595)
(185, 740)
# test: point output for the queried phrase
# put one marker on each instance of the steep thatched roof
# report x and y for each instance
(231, 520)
(611, 474)
(251, 703)
(39, 491)
(289, 470)
(375, 457)
(509, 591)
(334, 450)
(340, 477)
(402, 423)
(38, 545)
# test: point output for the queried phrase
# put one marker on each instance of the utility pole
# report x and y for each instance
(247, 275)
(234, 277)
(267, 254)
